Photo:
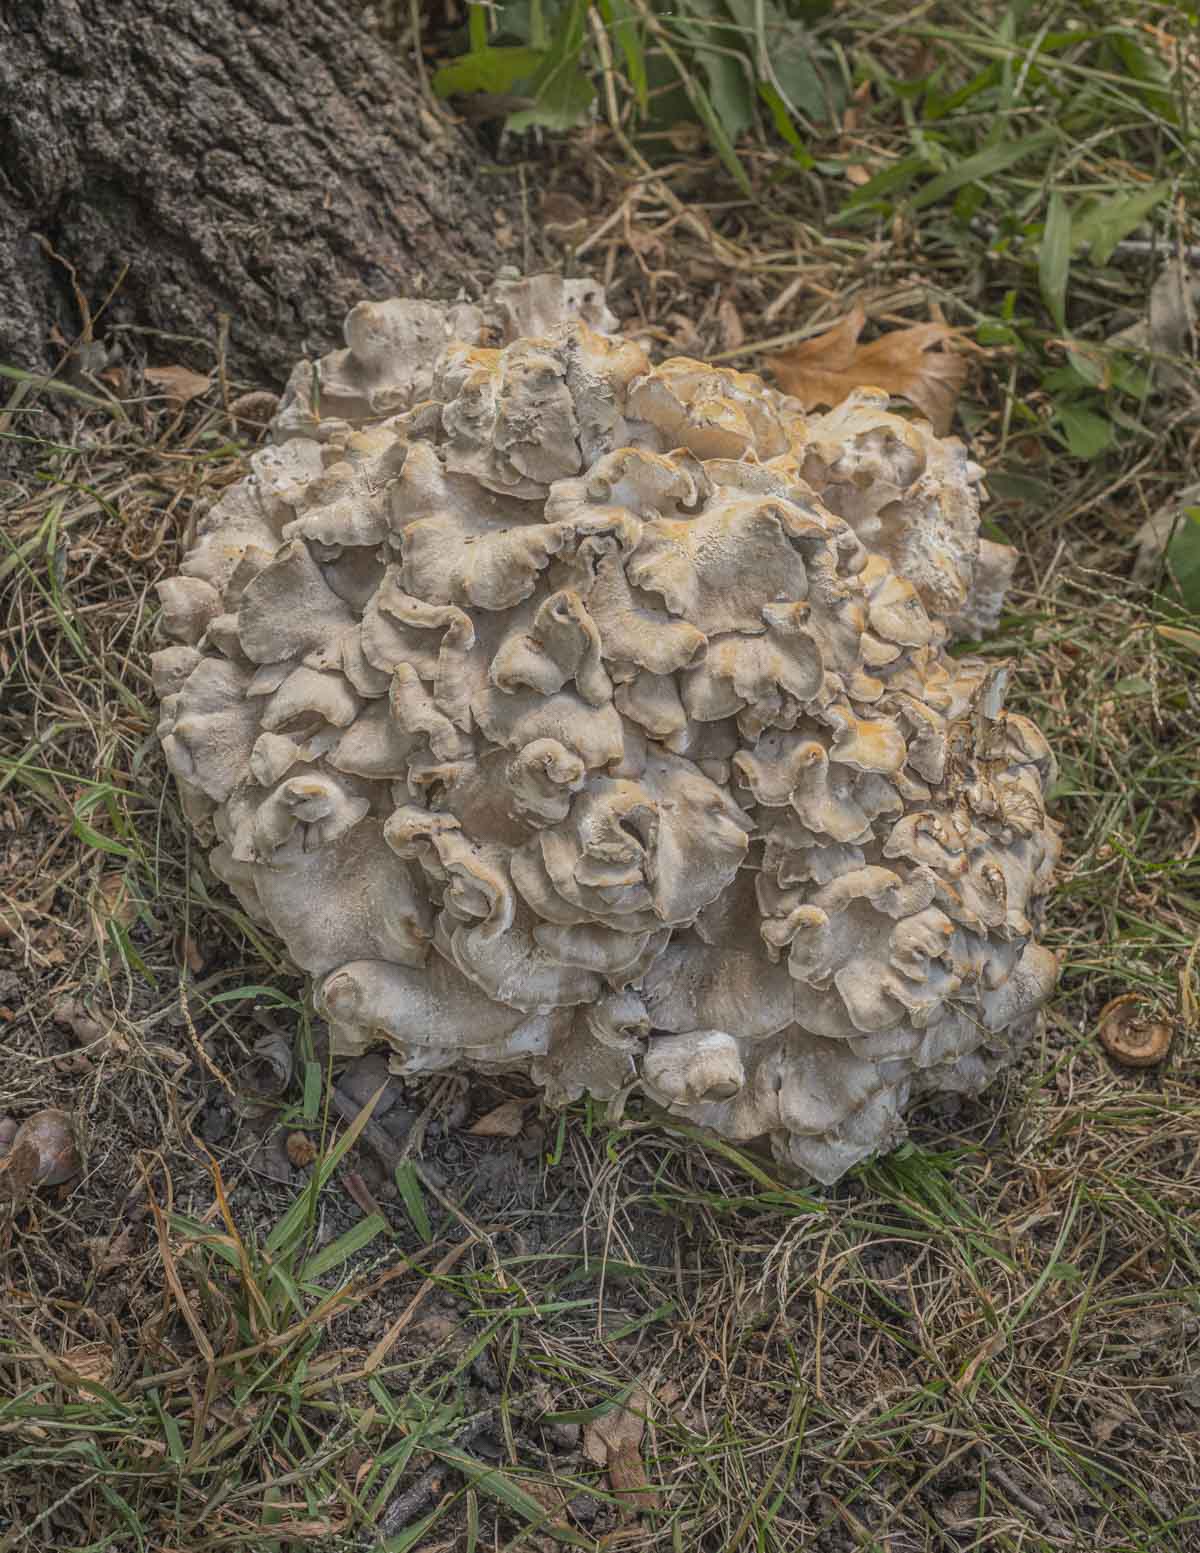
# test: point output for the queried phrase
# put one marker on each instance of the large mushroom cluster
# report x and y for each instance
(570, 714)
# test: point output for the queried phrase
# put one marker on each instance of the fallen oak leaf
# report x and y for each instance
(904, 363)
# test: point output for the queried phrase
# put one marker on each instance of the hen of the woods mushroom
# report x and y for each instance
(570, 714)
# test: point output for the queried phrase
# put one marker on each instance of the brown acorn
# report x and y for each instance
(1129, 1037)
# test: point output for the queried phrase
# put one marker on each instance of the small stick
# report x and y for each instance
(403, 1509)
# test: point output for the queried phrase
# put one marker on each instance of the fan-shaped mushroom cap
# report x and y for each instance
(687, 1070)
(371, 905)
(170, 667)
(570, 714)
(188, 605)
(208, 728)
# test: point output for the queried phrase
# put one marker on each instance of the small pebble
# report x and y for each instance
(215, 1123)
(398, 1122)
(362, 1077)
(271, 1161)
(532, 1141)
(485, 1372)
(583, 1509)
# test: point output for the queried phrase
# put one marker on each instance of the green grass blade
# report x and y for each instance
(980, 167)
(408, 1183)
(345, 1246)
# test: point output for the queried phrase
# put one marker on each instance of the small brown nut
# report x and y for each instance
(1128, 1038)
(48, 1141)
(301, 1150)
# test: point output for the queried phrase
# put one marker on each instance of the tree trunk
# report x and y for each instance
(265, 160)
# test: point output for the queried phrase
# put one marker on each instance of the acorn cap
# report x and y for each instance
(1130, 1038)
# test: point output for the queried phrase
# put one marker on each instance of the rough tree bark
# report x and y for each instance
(263, 159)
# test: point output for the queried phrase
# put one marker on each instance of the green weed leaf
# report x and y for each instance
(561, 90)
(291, 1229)
(1183, 557)
(784, 127)
(782, 50)
(498, 1485)
(492, 70)
(619, 18)
(791, 59)
(1086, 434)
(1105, 223)
(1054, 260)
(723, 145)
(726, 69)
(408, 1184)
(890, 181)
(978, 168)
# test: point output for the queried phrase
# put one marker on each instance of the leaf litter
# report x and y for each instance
(905, 363)
(614, 1441)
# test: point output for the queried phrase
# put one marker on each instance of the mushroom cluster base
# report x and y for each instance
(573, 715)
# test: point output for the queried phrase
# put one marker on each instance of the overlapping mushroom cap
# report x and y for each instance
(565, 713)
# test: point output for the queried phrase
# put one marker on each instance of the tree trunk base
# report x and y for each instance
(215, 171)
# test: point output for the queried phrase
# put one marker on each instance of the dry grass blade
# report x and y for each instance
(904, 363)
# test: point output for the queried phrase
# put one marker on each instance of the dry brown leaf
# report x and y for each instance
(111, 903)
(109, 1254)
(357, 1188)
(904, 363)
(19, 1169)
(505, 1121)
(729, 321)
(1166, 331)
(93, 1037)
(178, 385)
(627, 1474)
(188, 953)
(614, 1441)
(86, 1361)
